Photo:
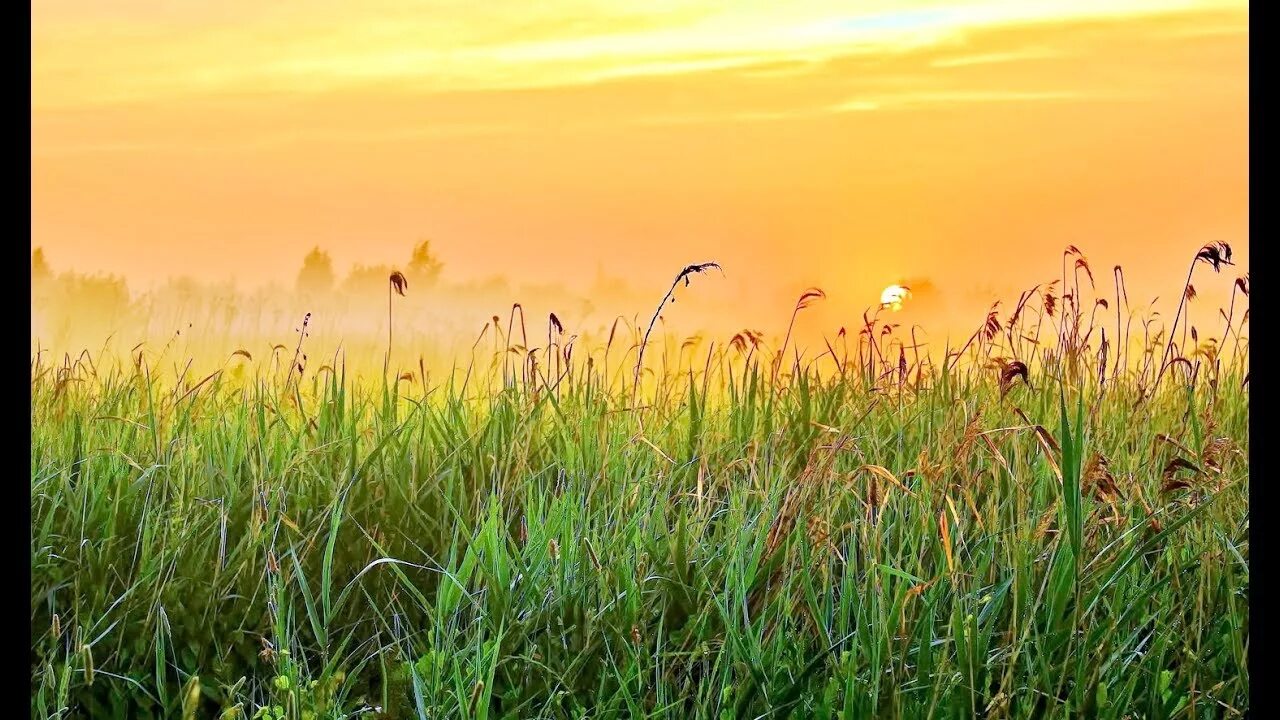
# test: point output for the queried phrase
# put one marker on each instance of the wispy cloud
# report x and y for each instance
(909, 99)
(996, 57)
(292, 46)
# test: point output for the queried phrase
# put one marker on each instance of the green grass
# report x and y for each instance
(821, 547)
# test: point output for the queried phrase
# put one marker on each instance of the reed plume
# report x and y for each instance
(684, 275)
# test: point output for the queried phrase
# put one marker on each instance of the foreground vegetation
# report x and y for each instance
(865, 533)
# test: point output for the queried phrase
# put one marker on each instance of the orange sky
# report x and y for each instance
(801, 143)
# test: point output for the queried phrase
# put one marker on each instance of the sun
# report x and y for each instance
(893, 297)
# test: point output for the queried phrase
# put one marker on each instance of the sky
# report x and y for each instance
(848, 146)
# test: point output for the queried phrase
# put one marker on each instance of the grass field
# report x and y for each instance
(866, 532)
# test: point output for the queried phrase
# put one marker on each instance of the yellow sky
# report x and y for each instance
(844, 145)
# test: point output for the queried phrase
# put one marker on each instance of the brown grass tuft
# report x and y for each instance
(1098, 477)
(1171, 470)
(1215, 452)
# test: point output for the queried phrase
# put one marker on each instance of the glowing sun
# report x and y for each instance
(893, 297)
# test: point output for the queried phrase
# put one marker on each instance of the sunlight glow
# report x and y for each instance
(893, 297)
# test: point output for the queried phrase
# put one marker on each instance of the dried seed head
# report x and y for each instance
(1083, 264)
(398, 282)
(1171, 481)
(1097, 475)
(697, 268)
(809, 296)
(1011, 371)
(1215, 255)
(1215, 453)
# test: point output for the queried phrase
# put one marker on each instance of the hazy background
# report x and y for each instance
(572, 156)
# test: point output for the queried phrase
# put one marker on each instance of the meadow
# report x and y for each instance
(1048, 520)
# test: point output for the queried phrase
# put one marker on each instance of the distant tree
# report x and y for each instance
(316, 276)
(424, 267)
(369, 281)
(422, 272)
(95, 301)
(40, 270)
